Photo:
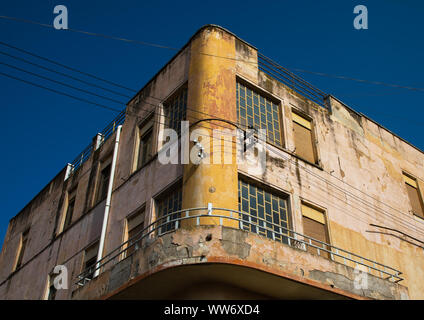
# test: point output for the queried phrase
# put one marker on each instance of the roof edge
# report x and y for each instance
(360, 114)
(183, 48)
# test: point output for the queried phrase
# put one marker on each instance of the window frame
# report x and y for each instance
(314, 139)
(98, 194)
(144, 128)
(71, 194)
(418, 190)
(20, 253)
(324, 212)
(94, 244)
(49, 285)
(162, 117)
(183, 89)
(159, 197)
(126, 234)
(272, 98)
(274, 190)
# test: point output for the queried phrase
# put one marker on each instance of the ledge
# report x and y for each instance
(309, 276)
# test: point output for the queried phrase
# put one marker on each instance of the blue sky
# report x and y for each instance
(42, 131)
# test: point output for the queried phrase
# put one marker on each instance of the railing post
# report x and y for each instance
(98, 140)
(209, 208)
(69, 169)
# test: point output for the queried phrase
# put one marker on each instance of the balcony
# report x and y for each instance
(224, 237)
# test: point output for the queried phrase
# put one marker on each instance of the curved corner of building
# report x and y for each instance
(218, 262)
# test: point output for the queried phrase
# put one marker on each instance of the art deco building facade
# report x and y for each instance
(336, 212)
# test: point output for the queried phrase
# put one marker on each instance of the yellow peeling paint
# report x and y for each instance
(212, 92)
(385, 249)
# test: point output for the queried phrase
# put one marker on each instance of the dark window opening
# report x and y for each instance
(145, 148)
(104, 182)
(24, 240)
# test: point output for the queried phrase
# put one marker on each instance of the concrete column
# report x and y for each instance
(212, 94)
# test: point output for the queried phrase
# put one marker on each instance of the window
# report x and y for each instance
(90, 259)
(264, 212)
(144, 147)
(69, 209)
(258, 112)
(170, 202)
(21, 249)
(51, 289)
(135, 224)
(414, 194)
(314, 226)
(303, 138)
(175, 110)
(103, 181)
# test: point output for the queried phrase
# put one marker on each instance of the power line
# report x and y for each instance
(66, 67)
(116, 110)
(358, 80)
(61, 83)
(296, 163)
(230, 58)
(63, 74)
(84, 100)
(59, 92)
(92, 33)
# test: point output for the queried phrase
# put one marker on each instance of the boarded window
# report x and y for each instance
(303, 138)
(256, 111)
(90, 259)
(21, 249)
(166, 205)
(135, 225)
(314, 226)
(414, 195)
(264, 212)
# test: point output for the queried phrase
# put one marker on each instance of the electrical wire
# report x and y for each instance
(64, 75)
(212, 55)
(59, 92)
(61, 83)
(84, 100)
(66, 66)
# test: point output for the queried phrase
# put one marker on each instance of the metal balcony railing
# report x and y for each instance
(172, 221)
(291, 80)
(106, 133)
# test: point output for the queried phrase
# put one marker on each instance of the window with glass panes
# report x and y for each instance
(175, 110)
(90, 259)
(167, 204)
(135, 225)
(263, 212)
(256, 111)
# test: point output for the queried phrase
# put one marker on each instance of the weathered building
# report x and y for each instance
(337, 212)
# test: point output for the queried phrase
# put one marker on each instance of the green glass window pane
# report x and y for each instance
(260, 198)
(268, 208)
(261, 211)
